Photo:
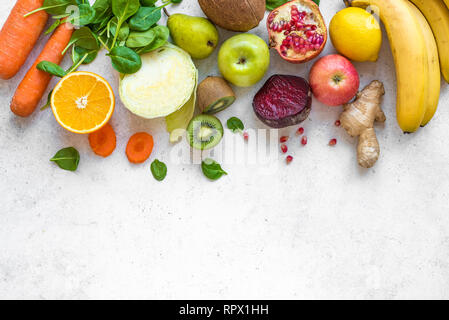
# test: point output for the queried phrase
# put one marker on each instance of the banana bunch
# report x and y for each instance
(418, 31)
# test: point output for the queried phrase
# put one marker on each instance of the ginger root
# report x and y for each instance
(358, 120)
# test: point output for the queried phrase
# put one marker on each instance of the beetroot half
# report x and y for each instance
(283, 101)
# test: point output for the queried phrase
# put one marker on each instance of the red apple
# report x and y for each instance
(334, 80)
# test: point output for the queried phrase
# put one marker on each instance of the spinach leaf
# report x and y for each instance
(273, 4)
(51, 68)
(140, 39)
(148, 3)
(67, 159)
(47, 105)
(86, 15)
(212, 169)
(161, 36)
(159, 170)
(102, 10)
(78, 53)
(235, 125)
(54, 7)
(123, 32)
(125, 60)
(52, 28)
(145, 18)
(123, 9)
(83, 38)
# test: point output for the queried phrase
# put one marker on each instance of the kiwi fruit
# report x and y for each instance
(214, 95)
(234, 15)
(204, 132)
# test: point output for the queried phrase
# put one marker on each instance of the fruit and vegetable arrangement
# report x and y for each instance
(158, 77)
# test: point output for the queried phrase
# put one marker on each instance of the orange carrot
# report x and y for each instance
(35, 82)
(139, 147)
(103, 141)
(19, 35)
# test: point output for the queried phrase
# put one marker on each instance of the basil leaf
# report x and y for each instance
(212, 169)
(145, 18)
(51, 68)
(159, 170)
(235, 124)
(125, 60)
(67, 159)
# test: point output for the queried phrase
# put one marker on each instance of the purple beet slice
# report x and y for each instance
(283, 101)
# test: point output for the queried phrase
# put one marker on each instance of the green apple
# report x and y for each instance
(244, 59)
(198, 36)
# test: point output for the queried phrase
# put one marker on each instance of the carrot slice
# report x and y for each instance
(139, 147)
(103, 141)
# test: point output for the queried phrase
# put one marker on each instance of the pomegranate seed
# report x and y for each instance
(246, 136)
(300, 131)
(304, 140)
(284, 148)
(333, 142)
(289, 159)
(284, 139)
(337, 123)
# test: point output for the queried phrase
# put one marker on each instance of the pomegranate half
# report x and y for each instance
(297, 31)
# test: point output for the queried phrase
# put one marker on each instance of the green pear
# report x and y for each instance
(196, 35)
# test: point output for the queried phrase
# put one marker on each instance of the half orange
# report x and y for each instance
(82, 102)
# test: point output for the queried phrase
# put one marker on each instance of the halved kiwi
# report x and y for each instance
(214, 95)
(204, 132)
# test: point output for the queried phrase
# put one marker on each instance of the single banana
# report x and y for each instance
(437, 14)
(434, 81)
(410, 55)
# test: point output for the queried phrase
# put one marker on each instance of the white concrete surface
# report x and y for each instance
(319, 228)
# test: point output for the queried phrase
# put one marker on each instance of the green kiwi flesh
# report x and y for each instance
(219, 105)
(204, 132)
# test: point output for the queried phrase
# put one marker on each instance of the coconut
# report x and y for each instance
(234, 15)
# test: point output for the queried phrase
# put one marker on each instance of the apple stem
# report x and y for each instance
(347, 3)
(166, 12)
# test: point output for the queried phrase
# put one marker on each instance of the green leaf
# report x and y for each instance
(161, 36)
(125, 60)
(51, 68)
(54, 7)
(145, 18)
(48, 104)
(140, 39)
(67, 159)
(86, 15)
(78, 53)
(212, 169)
(273, 4)
(103, 10)
(123, 9)
(159, 170)
(235, 125)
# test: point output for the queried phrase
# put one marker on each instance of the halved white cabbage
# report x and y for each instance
(162, 86)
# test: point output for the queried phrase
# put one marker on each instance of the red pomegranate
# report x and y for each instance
(297, 31)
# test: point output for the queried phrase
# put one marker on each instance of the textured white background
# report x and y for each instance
(319, 228)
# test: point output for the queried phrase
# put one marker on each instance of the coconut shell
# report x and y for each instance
(234, 15)
(211, 90)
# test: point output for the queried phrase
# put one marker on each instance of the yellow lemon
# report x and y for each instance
(356, 34)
